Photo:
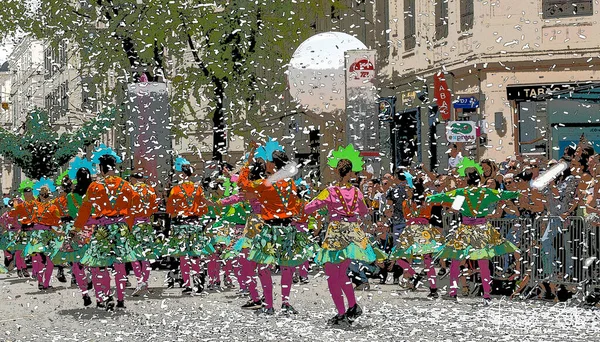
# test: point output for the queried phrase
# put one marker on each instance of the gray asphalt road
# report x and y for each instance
(389, 315)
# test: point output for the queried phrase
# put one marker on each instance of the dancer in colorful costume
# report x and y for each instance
(65, 186)
(42, 219)
(107, 213)
(279, 242)
(11, 232)
(187, 206)
(418, 239)
(68, 248)
(144, 231)
(345, 239)
(475, 238)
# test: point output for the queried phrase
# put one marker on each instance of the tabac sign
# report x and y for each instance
(442, 95)
(532, 92)
(461, 131)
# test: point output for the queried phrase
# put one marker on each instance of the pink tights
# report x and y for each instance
(287, 273)
(339, 285)
(484, 272)
(264, 274)
(431, 276)
(42, 270)
(188, 265)
(101, 279)
(142, 271)
(248, 270)
(80, 278)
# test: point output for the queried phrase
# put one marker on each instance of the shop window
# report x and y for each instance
(441, 19)
(410, 39)
(566, 8)
(466, 15)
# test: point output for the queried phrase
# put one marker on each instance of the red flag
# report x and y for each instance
(442, 95)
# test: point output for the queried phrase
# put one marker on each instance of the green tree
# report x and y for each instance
(229, 55)
(39, 150)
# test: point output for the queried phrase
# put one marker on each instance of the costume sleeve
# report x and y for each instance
(200, 202)
(507, 195)
(230, 200)
(133, 202)
(247, 185)
(86, 209)
(153, 202)
(318, 202)
(445, 197)
(171, 202)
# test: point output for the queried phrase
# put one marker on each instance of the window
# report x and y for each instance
(566, 8)
(466, 15)
(441, 19)
(410, 39)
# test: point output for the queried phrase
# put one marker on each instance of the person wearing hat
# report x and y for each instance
(108, 212)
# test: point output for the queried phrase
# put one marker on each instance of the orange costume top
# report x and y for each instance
(278, 201)
(35, 212)
(148, 204)
(62, 205)
(111, 197)
(414, 213)
(186, 200)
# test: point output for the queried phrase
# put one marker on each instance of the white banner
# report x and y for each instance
(362, 123)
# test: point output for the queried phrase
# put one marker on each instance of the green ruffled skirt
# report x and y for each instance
(148, 241)
(475, 242)
(417, 240)
(6, 239)
(380, 255)
(187, 240)
(19, 239)
(281, 245)
(66, 248)
(111, 244)
(40, 241)
(345, 240)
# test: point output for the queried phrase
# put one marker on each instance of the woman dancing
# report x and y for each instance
(106, 214)
(345, 240)
(279, 242)
(475, 238)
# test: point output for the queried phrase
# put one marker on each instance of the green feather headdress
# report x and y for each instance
(467, 163)
(349, 153)
(27, 183)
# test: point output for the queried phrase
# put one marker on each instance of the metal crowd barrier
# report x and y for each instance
(565, 252)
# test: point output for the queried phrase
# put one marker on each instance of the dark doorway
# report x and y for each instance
(405, 137)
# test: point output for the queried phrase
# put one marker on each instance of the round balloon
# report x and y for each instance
(316, 74)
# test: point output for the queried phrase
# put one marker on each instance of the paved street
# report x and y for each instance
(30, 315)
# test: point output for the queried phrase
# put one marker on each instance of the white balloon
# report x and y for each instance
(316, 75)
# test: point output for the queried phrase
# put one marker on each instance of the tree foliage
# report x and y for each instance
(227, 56)
(39, 150)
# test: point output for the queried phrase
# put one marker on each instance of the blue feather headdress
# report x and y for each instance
(179, 162)
(103, 150)
(266, 152)
(41, 183)
(79, 163)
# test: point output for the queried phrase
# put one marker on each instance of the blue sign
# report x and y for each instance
(466, 102)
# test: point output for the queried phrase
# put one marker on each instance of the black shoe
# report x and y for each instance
(304, 280)
(121, 304)
(265, 311)
(61, 276)
(415, 280)
(100, 305)
(396, 281)
(295, 279)
(450, 297)
(441, 272)
(187, 290)
(109, 304)
(433, 294)
(20, 274)
(40, 287)
(87, 301)
(354, 312)
(252, 305)
(338, 320)
(288, 309)
(25, 273)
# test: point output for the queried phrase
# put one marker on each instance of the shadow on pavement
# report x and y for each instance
(92, 313)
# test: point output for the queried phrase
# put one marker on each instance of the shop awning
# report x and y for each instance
(589, 92)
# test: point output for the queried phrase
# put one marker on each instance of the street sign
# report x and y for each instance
(442, 95)
(461, 131)
(466, 102)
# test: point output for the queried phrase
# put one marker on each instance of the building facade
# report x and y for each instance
(498, 60)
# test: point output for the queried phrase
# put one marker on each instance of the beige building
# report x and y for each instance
(502, 54)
